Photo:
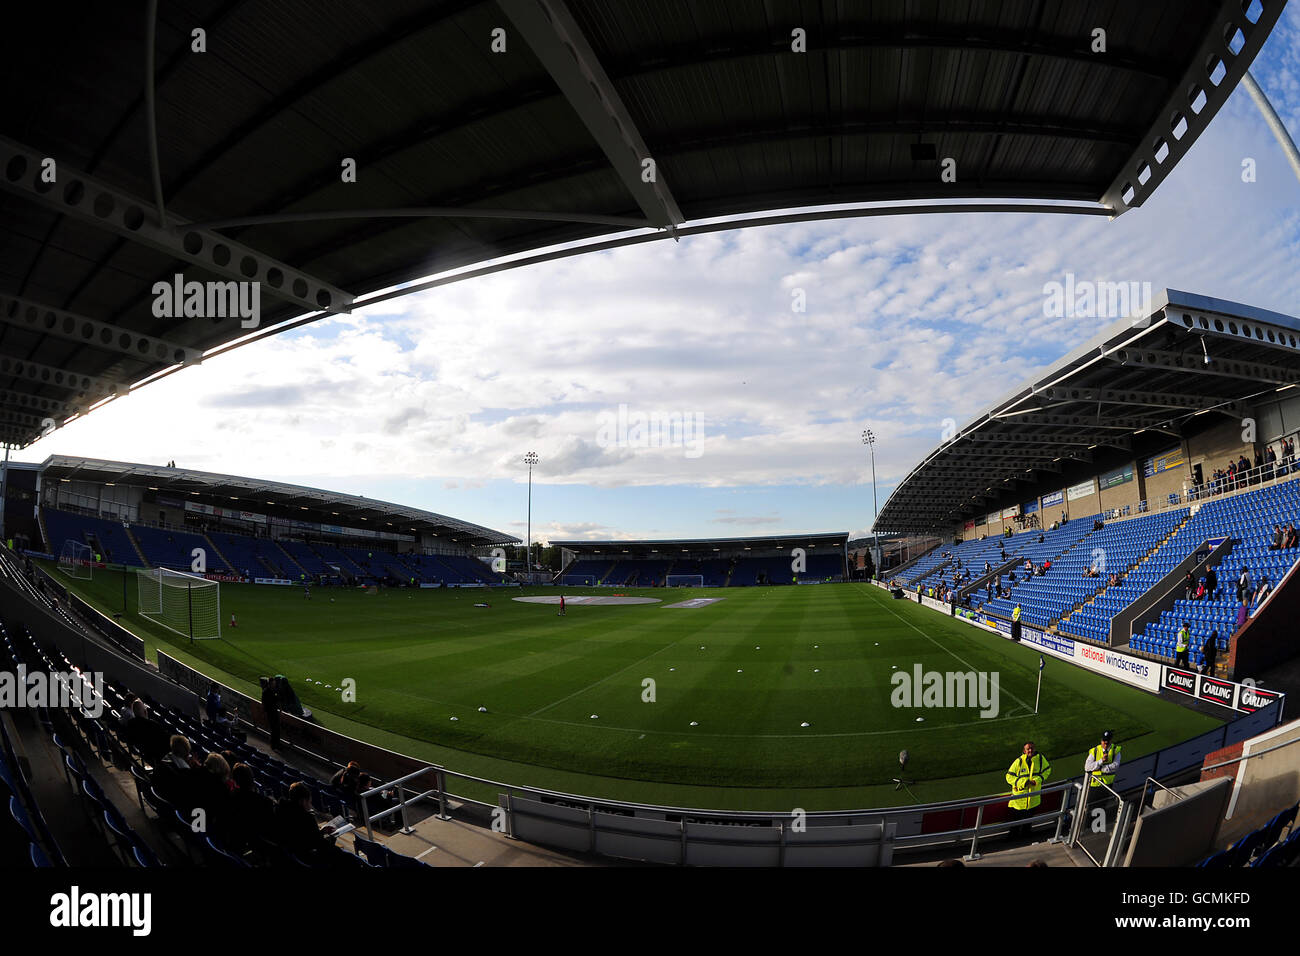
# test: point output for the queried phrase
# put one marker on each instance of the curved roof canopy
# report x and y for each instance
(328, 151)
(251, 494)
(674, 546)
(1132, 389)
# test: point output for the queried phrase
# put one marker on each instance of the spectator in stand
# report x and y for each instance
(1270, 463)
(1261, 592)
(1258, 474)
(1212, 583)
(1189, 586)
(1290, 540)
(1210, 651)
(1243, 584)
(1240, 622)
(1029, 566)
(351, 782)
(1047, 565)
(175, 778)
(1243, 470)
(1278, 537)
(1200, 591)
(148, 736)
(251, 814)
(296, 829)
(271, 707)
(212, 792)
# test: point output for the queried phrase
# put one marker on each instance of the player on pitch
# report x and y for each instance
(560, 612)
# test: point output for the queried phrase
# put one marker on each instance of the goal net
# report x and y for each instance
(580, 580)
(684, 581)
(184, 603)
(75, 560)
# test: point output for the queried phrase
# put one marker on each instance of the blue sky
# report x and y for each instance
(433, 399)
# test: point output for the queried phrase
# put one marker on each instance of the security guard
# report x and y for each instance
(1183, 642)
(1103, 760)
(1026, 776)
(1015, 622)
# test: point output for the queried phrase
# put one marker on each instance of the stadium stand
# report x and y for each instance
(1248, 518)
(113, 539)
(92, 750)
(1113, 549)
(251, 557)
(174, 549)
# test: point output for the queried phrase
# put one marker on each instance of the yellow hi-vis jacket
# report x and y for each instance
(1027, 777)
(1015, 614)
(1102, 766)
(1184, 638)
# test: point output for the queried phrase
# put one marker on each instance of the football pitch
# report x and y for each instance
(769, 698)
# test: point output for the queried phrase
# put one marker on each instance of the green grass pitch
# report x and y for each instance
(748, 671)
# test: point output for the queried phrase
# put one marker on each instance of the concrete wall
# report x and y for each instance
(1183, 832)
(1269, 637)
(1216, 445)
(1121, 495)
(1264, 784)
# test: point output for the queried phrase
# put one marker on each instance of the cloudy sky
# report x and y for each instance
(432, 400)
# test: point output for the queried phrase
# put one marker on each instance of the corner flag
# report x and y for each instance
(1038, 693)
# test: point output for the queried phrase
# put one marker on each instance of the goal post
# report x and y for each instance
(684, 581)
(184, 603)
(75, 560)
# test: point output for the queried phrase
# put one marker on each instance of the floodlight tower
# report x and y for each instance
(869, 439)
(530, 459)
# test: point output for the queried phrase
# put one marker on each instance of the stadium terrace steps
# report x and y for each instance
(218, 552)
(908, 565)
(1248, 518)
(173, 548)
(135, 545)
(50, 546)
(1094, 621)
(1117, 545)
(115, 545)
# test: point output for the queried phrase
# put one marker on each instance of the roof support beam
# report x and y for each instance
(91, 201)
(35, 404)
(1129, 396)
(1013, 439)
(42, 319)
(1196, 365)
(557, 40)
(87, 388)
(1130, 188)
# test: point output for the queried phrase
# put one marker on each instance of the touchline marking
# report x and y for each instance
(583, 690)
(940, 646)
(849, 733)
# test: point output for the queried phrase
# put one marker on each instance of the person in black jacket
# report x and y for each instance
(1211, 583)
(144, 733)
(296, 829)
(251, 814)
(1211, 651)
(271, 707)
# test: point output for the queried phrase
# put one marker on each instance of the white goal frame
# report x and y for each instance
(76, 560)
(185, 604)
(676, 581)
